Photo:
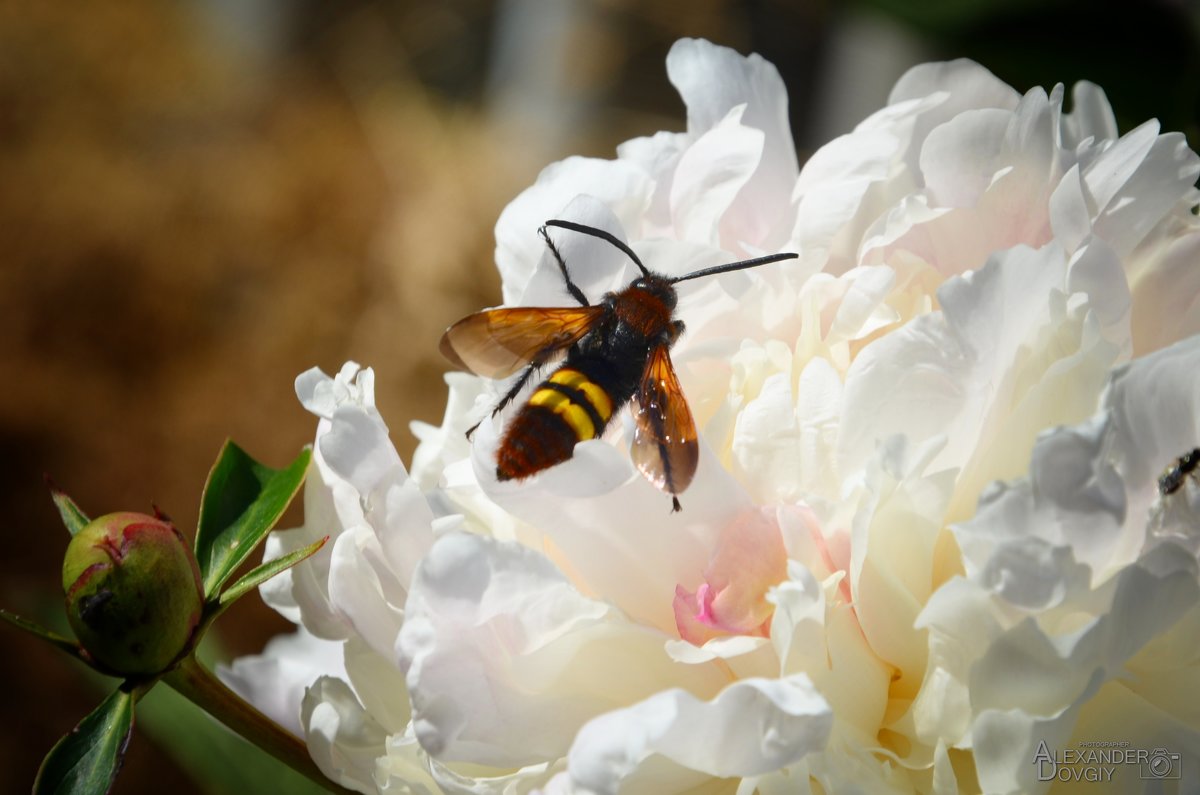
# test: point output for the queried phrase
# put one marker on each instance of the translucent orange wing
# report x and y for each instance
(498, 342)
(664, 441)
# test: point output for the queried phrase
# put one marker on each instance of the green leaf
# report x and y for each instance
(242, 501)
(268, 570)
(86, 761)
(53, 638)
(72, 517)
(193, 739)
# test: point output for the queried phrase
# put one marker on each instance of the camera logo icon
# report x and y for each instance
(1160, 764)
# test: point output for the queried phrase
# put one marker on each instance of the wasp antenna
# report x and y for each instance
(600, 233)
(734, 266)
(572, 288)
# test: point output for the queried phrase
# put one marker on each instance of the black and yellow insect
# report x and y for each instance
(1173, 478)
(616, 351)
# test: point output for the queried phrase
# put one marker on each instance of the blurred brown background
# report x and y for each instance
(200, 200)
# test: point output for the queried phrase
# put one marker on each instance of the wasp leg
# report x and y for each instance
(572, 288)
(515, 390)
(518, 385)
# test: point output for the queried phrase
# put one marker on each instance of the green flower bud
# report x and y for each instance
(133, 592)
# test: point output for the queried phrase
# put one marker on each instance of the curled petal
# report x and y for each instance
(711, 174)
(623, 187)
(275, 680)
(364, 591)
(596, 266)
(505, 659)
(360, 495)
(713, 81)
(593, 511)
(343, 739)
(752, 727)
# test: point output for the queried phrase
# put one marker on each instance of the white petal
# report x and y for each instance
(940, 91)
(474, 780)
(406, 769)
(798, 625)
(1030, 687)
(1166, 295)
(623, 187)
(1006, 743)
(1030, 640)
(711, 173)
(657, 156)
(343, 739)
(715, 649)
(962, 374)
(1075, 500)
(819, 410)
(364, 590)
(275, 680)
(277, 592)
(441, 446)
(752, 727)
(945, 782)
(835, 191)
(1163, 180)
(766, 443)
(712, 81)
(1155, 401)
(359, 494)
(357, 448)
(1070, 214)
(1112, 169)
(894, 534)
(302, 592)
(613, 531)
(355, 482)
(596, 266)
(379, 682)
(960, 158)
(1167, 721)
(320, 394)
(1091, 116)
(969, 86)
(505, 660)
(862, 310)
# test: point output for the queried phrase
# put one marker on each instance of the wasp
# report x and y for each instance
(1184, 466)
(616, 351)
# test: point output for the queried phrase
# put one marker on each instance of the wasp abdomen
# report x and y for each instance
(565, 409)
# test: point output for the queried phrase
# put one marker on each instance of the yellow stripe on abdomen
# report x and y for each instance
(595, 395)
(575, 416)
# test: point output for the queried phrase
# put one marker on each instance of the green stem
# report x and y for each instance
(197, 684)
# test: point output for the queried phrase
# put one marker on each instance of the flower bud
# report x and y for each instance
(133, 592)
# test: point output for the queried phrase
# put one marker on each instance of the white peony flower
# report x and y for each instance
(924, 547)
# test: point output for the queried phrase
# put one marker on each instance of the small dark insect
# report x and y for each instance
(616, 351)
(1184, 466)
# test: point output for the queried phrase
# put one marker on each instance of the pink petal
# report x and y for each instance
(749, 559)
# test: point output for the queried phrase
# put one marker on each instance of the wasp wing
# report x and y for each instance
(496, 343)
(664, 441)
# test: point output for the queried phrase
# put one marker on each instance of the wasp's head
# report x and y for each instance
(659, 286)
